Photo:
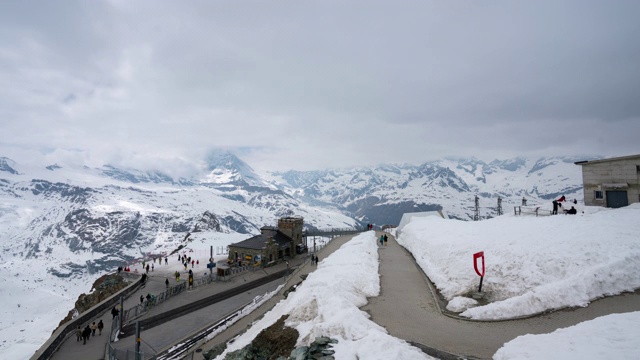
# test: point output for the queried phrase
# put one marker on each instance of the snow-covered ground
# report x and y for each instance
(533, 264)
(608, 337)
(327, 304)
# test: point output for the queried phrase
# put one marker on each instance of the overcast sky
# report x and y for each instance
(317, 84)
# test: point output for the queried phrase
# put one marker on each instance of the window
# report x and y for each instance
(598, 195)
(638, 168)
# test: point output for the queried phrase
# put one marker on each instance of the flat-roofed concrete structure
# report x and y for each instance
(613, 182)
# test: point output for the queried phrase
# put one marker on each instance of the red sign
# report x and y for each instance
(475, 262)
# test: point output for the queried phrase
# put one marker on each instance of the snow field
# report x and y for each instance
(533, 264)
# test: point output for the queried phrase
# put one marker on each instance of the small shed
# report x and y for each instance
(613, 182)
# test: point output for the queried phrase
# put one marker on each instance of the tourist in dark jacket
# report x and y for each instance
(85, 334)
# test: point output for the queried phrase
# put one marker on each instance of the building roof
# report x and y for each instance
(257, 242)
(630, 157)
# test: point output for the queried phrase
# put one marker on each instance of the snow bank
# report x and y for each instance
(327, 304)
(533, 264)
(608, 337)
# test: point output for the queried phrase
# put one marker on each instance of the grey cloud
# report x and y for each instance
(331, 82)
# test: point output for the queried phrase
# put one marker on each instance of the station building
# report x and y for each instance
(273, 245)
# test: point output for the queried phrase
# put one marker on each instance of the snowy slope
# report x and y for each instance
(533, 264)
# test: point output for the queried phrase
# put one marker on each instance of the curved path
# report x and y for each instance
(407, 308)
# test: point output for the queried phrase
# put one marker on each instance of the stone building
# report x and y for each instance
(274, 244)
(613, 182)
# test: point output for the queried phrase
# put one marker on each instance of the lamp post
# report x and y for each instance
(287, 272)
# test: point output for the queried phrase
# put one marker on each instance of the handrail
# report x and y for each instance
(59, 335)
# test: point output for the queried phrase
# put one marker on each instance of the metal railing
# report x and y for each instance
(332, 232)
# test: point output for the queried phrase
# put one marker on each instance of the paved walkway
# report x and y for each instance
(407, 308)
(161, 336)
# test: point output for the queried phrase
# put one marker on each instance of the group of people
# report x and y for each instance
(187, 260)
(89, 330)
(369, 226)
(145, 265)
(151, 300)
(314, 259)
(383, 239)
(558, 203)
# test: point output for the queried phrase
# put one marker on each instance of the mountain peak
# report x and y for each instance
(8, 165)
(225, 167)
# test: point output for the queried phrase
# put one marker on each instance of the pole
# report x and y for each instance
(211, 262)
(121, 313)
(286, 273)
(480, 287)
(138, 340)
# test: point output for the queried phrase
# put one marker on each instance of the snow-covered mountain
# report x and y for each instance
(54, 213)
(382, 194)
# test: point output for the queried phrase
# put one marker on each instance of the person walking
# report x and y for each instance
(141, 299)
(114, 312)
(316, 260)
(85, 334)
(93, 328)
(152, 267)
(78, 334)
(385, 239)
(100, 327)
(166, 282)
(166, 261)
(381, 240)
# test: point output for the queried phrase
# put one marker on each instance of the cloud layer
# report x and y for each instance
(309, 85)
